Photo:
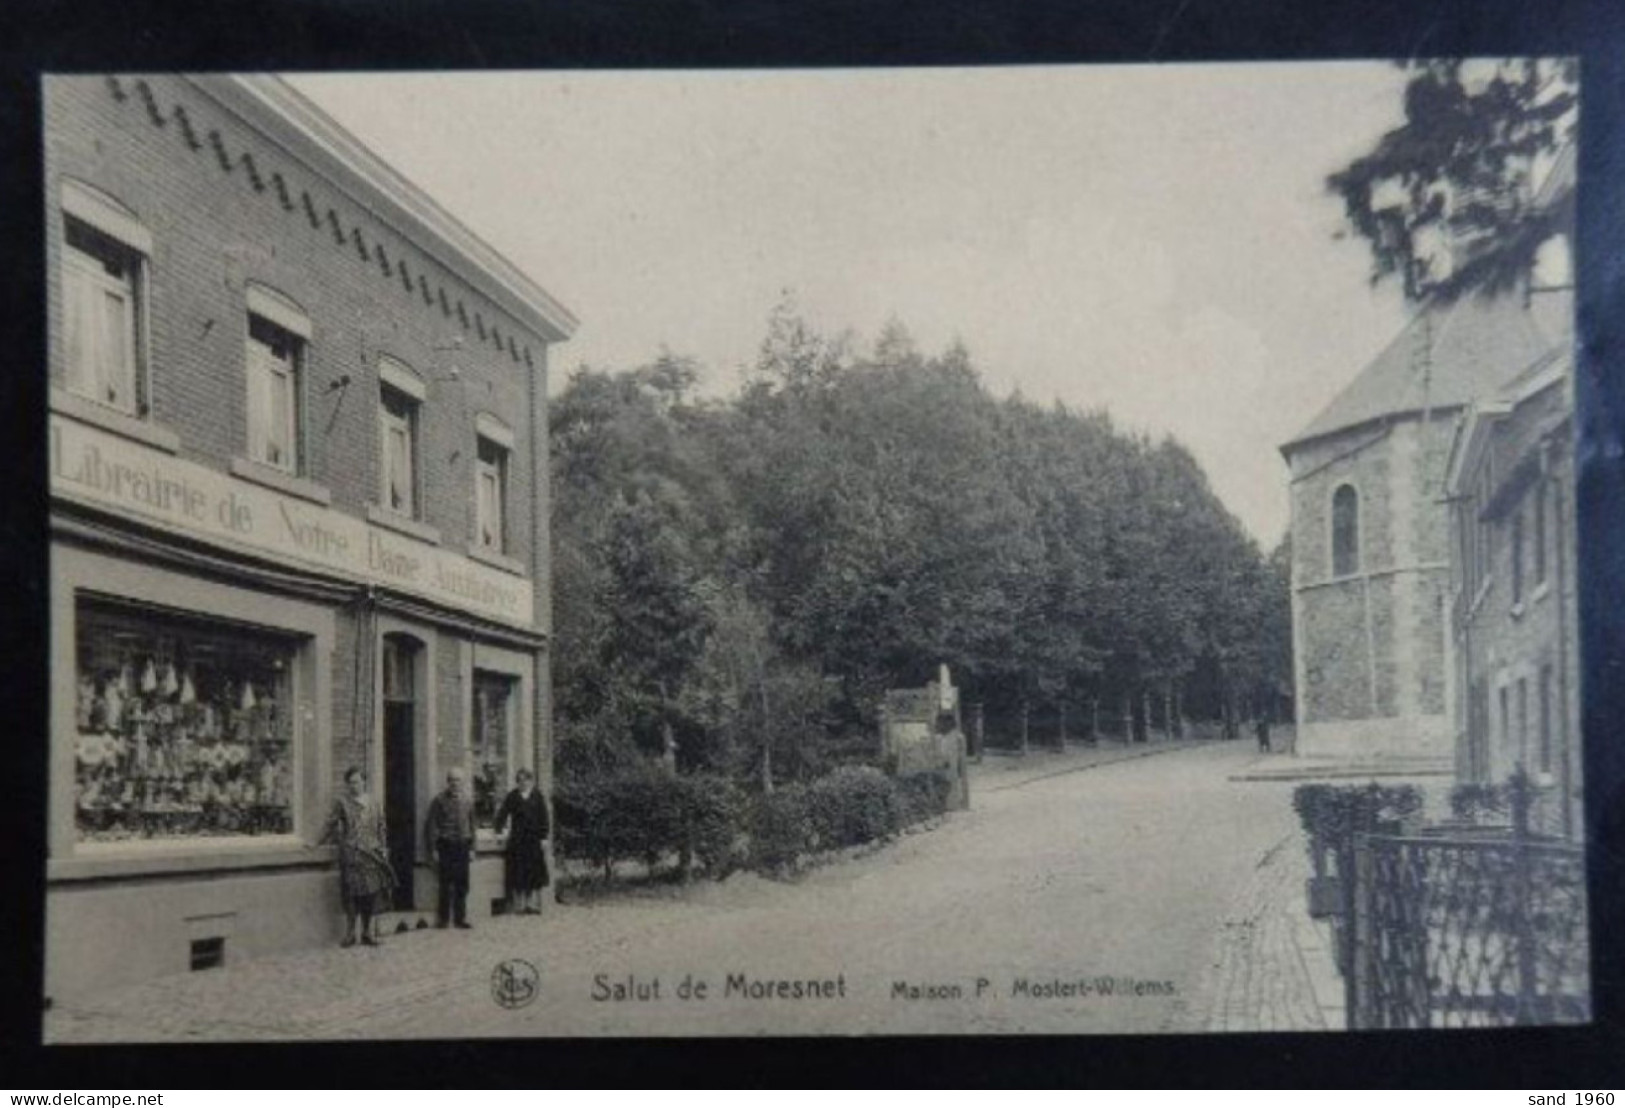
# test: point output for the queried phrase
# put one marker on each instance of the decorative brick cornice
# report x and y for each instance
(284, 117)
(346, 232)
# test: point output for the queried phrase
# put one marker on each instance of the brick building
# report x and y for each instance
(1371, 539)
(298, 509)
(1514, 599)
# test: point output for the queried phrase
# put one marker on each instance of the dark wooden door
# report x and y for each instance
(400, 796)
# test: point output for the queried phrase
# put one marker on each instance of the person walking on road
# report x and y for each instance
(356, 825)
(1262, 727)
(525, 864)
(449, 834)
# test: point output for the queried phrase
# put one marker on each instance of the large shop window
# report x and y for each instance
(493, 743)
(185, 728)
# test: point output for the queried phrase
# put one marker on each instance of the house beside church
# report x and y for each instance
(1514, 598)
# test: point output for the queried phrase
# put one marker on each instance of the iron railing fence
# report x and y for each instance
(1465, 931)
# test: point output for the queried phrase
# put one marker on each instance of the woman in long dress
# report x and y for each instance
(525, 868)
(365, 877)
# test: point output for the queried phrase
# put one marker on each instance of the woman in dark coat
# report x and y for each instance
(365, 878)
(526, 865)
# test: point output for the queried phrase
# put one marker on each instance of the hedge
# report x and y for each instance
(1332, 815)
(651, 815)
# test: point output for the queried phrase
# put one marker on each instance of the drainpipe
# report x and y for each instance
(1562, 648)
(542, 598)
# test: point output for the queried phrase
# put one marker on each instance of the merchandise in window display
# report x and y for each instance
(171, 747)
(491, 742)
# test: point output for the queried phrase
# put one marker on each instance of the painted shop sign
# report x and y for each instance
(94, 467)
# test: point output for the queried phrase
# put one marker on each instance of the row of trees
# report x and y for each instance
(738, 581)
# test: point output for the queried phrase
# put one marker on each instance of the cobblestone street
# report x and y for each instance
(1105, 890)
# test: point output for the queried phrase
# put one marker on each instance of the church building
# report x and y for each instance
(1371, 523)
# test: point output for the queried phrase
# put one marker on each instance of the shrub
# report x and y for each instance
(924, 795)
(1481, 803)
(782, 829)
(713, 812)
(1332, 815)
(854, 805)
(650, 813)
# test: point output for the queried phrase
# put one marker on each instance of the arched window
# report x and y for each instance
(1345, 531)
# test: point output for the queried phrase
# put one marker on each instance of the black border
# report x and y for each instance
(132, 35)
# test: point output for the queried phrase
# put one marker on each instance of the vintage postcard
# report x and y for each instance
(1044, 550)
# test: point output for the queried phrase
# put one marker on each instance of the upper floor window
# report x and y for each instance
(1540, 533)
(490, 489)
(277, 336)
(1545, 761)
(1515, 542)
(400, 394)
(1345, 531)
(103, 274)
(491, 483)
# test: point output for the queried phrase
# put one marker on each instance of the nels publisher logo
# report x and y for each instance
(514, 983)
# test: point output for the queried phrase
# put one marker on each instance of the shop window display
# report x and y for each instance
(184, 728)
(492, 744)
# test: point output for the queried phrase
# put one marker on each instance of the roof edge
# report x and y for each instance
(309, 134)
(1286, 448)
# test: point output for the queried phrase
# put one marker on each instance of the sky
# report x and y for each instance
(1153, 240)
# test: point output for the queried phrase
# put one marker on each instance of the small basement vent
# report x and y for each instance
(208, 953)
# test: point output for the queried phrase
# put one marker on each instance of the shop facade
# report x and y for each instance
(297, 459)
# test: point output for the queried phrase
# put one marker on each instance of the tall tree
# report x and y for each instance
(1446, 199)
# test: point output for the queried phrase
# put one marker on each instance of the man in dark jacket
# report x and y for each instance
(449, 834)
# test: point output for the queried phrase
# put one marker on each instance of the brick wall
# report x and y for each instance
(214, 231)
(1503, 643)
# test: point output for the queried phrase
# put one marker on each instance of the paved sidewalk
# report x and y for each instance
(1273, 967)
(1007, 770)
(1145, 869)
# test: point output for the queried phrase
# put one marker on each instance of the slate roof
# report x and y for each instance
(1478, 344)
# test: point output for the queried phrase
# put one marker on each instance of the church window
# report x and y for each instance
(1345, 531)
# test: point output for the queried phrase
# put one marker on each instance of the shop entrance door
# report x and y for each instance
(400, 767)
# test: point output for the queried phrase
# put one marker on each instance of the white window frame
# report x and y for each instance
(268, 375)
(491, 482)
(490, 495)
(398, 439)
(85, 282)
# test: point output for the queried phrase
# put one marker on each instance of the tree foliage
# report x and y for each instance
(1446, 200)
(747, 576)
